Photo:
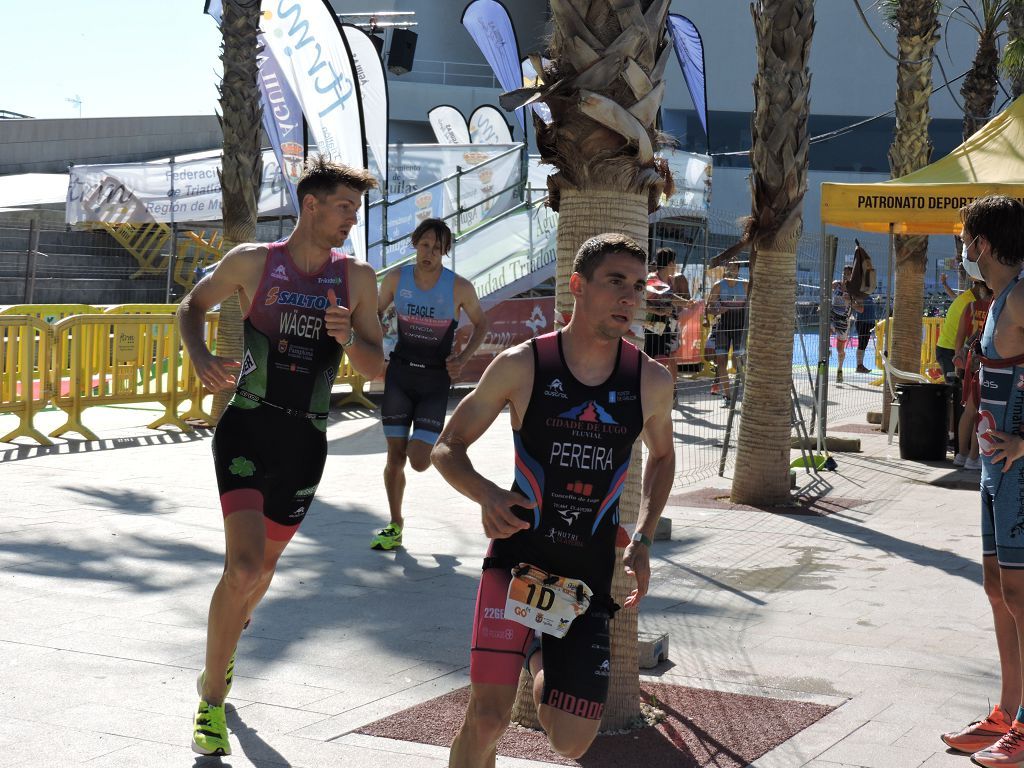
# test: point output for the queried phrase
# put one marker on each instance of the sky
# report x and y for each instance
(120, 57)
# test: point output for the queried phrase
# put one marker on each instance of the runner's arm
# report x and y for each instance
(366, 351)
(387, 292)
(504, 381)
(240, 269)
(467, 300)
(657, 396)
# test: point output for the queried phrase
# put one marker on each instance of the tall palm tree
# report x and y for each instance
(604, 88)
(1013, 55)
(242, 165)
(982, 81)
(778, 159)
(917, 32)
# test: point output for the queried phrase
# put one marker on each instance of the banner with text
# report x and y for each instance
(373, 89)
(488, 23)
(282, 113)
(511, 322)
(415, 166)
(305, 37)
(487, 126)
(138, 193)
(449, 125)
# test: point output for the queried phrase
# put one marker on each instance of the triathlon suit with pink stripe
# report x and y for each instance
(270, 445)
(572, 456)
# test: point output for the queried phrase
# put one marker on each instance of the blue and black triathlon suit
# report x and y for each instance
(572, 455)
(1001, 408)
(732, 323)
(271, 443)
(416, 383)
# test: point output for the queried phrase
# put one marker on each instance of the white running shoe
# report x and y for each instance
(974, 464)
(959, 459)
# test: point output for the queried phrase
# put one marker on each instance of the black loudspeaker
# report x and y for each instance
(403, 49)
(378, 43)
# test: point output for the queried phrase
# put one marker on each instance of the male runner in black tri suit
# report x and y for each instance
(303, 305)
(578, 400)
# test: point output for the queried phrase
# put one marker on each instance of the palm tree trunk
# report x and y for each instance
(917, 28)
(582, 215)
(242, 164)
(779, 161)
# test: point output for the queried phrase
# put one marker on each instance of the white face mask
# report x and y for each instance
(970, 267)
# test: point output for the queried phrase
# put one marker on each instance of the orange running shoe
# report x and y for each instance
(1008, 751)
(979, 734)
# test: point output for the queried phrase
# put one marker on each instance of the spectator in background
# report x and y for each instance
(661, 330)
(842, 309)
(728, 302)
(972, 323)
(866, 319)
(945, 347)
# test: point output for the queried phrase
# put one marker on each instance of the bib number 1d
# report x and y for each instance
(544, 602)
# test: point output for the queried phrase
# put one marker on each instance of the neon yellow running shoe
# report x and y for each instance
(229, 676)
(210, 731)
(389, 537)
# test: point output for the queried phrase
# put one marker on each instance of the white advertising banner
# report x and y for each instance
(692, 175)
(416, 166)
(305, 38)
(449, 125)
(487, 126)
(373, 88)
(498, 259)
(162, 191)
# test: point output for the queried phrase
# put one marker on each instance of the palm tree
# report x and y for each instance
(1013, 55)
(917, 25)
(242, 164)
(982, 81)
(604, 88)
(778, 159)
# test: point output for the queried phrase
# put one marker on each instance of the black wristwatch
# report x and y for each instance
(638, 536)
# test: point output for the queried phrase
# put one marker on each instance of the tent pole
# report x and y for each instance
(889, 291)
(824, 297)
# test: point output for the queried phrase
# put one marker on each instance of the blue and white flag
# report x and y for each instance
(282, 115)
(306, 39)
(487, 126)
(488, 23)
(690, 52)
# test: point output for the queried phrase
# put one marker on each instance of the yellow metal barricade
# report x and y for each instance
(931, 328)
(24, 381)
(195, 391)
(141, 309)
(348, 375)
(106, 360)
(51, 313)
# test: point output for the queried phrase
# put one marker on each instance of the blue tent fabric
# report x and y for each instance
(690, 52)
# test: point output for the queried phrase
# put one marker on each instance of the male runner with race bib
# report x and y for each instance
(304, 304)
(579, 398)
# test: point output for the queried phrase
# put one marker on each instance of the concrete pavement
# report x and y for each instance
(109, 552)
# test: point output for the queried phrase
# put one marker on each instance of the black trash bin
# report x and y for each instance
(924, 420)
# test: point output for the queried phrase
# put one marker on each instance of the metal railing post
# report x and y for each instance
(174, 237)
(30, 261)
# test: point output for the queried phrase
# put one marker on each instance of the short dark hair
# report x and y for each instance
(1000, 220)
(321, 177)
(592, 252)
(663, 257)
(440, 230)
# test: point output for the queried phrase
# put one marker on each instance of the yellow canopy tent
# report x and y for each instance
(928, 201)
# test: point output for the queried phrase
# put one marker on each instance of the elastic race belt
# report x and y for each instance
(421, 366)
(289, 411)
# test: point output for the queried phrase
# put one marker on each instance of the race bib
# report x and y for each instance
(544, 601)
